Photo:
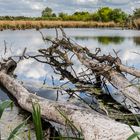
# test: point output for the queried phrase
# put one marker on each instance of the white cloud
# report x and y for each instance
(31, 69)
(37, 6)
(117, 1)
(86, 1)
(130, 56)
(34, 7)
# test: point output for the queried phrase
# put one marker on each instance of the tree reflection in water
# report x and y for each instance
(136, 40)
(105, 40)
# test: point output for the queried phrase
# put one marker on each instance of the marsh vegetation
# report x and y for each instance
(103, 17)
(68, 71)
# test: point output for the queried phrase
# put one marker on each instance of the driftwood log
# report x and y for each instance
(106, 66)
(93, 125)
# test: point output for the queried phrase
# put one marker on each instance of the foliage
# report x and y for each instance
(63, 16)
(107, 14)
(136, 13)
(104, 14)
(80, 16)
(118, 15)
(48, 13)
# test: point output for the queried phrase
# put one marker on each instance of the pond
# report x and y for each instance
(32, 73)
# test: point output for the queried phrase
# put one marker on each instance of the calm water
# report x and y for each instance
(127, 42)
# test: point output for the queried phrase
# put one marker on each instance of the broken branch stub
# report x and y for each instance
(107, 66)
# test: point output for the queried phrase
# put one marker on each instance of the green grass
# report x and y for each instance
(70, 123)
(16, 131)
(135, 135)
(4, 105)
(36, 115)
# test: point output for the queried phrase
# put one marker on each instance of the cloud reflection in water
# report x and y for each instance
(127, 41)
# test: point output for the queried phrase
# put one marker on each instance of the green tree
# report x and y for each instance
(95, 16)
(104, 14)
(136, 13)
(63, 16)
(54, 15)
(118, 15)
(47, 12)
(84, 16)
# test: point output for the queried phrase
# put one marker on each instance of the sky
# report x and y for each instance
(34, 7)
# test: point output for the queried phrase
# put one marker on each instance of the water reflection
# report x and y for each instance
(108, 40)
(136, 41)
(33, 73)
(104, 40)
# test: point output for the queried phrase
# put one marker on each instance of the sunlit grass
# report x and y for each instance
(20, 24)
(137, 23)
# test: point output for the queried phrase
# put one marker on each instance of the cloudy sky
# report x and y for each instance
(34, 7)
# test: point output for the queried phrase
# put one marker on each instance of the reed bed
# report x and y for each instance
(21, 25)
(136, 23)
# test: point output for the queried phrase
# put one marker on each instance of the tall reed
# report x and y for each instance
(19, 24)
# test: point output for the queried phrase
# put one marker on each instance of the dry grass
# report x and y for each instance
(136, 23)
(51, 24)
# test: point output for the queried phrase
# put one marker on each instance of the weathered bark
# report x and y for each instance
(101, 66)
(94, 126)
(130, 70)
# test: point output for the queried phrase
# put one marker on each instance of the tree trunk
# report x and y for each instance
(114, 76)
(93, 125)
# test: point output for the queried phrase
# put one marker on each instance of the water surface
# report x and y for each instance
(32, 73)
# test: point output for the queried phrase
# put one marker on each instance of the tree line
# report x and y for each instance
(104, 14)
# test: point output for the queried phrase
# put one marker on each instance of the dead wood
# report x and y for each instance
(110, 68)
(93, 125)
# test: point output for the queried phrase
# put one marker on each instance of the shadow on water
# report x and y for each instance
(3, 96)
(136, 41)
(110, 40)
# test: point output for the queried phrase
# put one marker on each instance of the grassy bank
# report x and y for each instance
(21, 25)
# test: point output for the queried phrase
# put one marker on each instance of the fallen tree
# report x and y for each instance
(99, 66)
(92, 124)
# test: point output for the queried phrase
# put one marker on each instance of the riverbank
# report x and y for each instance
(21, 24)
